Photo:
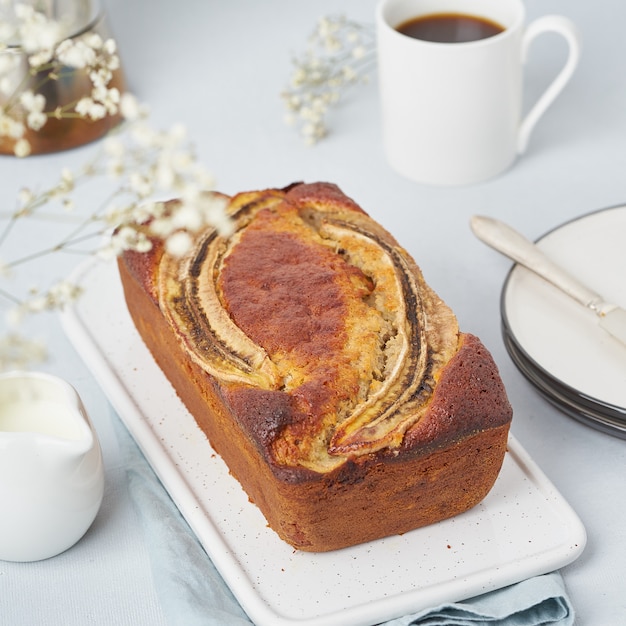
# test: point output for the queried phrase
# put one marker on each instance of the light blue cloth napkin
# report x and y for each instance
(192, 592)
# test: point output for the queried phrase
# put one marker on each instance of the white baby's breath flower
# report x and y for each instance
(112, 63)
(141, 184)
(192, 178)
(177, 133)
(142, 212)
(156, 209)
(10, 127)
(162, 227)
(75, 53)
(22, 148)
(108, 98)
(18, 351)
(113, 215)
(40, 58)
(129, 107)
(178, 243)
(61, 294)
(164, 175)
(83, 106)
(25, 196)
(67, 176)
(124, 238)
(5, 270)
(115, 168)
(114, 146)
(94, 41)
(57, 297)
(66, 183)
(87, 107)
(143, 135)
(143, 244)
(36, 304)
(214, 211)
(340, 53)
(38, 36)
(187, 217)
(110, 46)
(349, 74)
(34, 105)
(100, 77)
(359, 52)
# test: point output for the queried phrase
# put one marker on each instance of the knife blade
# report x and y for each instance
(508, 241)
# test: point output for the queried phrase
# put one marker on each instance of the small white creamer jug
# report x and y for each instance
(51, 473)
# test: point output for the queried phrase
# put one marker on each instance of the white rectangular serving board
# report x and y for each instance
(523, 528)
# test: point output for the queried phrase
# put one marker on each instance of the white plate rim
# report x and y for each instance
(551, 381)
(586, 413)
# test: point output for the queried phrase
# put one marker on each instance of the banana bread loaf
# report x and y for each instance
(329, 376)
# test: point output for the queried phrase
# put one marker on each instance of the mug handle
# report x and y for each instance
(565, 27)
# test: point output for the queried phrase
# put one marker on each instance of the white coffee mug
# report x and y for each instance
(452, 112)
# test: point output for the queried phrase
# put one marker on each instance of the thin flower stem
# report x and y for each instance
(7, 229)
(61, 246)
(46, 217)
(10, 297)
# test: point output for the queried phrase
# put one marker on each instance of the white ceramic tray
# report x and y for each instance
(523, 528)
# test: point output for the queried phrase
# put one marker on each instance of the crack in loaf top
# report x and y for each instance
(311, 298)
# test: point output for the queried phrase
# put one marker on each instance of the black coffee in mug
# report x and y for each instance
(449, 28)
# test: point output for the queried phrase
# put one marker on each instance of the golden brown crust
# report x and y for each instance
(434, 446)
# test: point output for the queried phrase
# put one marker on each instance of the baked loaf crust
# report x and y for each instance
(328, 375)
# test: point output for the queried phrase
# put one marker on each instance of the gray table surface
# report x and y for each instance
(219, 68)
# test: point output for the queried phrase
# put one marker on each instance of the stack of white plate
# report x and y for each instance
(555, 342)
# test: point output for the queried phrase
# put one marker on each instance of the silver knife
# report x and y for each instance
(512, 244)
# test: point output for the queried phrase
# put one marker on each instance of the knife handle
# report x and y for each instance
(512, 244)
